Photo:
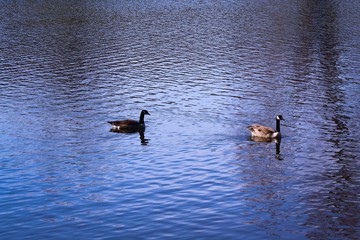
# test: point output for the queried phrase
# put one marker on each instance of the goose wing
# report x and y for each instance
(261, 131)
(124, 123)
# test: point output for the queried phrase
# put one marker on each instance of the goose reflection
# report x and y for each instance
(143, 140)
(277, 142)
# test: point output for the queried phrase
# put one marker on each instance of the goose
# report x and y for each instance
(266, 132)
(130, 125)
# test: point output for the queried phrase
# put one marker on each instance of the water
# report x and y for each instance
(204, 70)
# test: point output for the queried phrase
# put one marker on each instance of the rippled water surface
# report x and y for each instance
(204, 70)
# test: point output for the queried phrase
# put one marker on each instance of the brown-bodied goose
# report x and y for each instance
(130, 125)
(266, 132)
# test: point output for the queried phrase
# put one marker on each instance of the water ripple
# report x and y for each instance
(204, 71)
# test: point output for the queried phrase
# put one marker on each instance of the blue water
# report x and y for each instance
(204, 70)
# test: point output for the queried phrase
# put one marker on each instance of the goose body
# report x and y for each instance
(261, 131)
(130, 125)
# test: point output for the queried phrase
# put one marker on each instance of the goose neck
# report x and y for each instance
(277, 125)
(141, 120)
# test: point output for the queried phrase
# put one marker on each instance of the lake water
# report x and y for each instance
(204, 70)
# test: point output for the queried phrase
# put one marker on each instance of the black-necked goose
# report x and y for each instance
(130, 125)
(266, 132)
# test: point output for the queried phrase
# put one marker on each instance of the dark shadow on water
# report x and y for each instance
(336, 204)
(143, 140)
(277, 142)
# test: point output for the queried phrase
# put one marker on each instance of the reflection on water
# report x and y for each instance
(277, 142)
(337, 192)
(205, 70)
(143, 140)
